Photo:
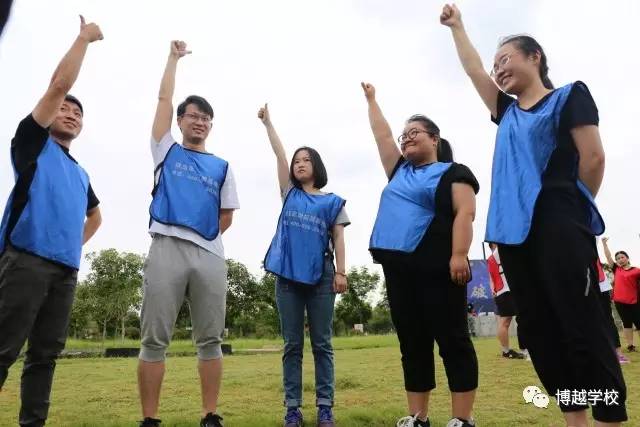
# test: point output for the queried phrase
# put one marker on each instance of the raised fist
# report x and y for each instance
(90, 32)
(450, 16)
(179, 49)
(263, 114)
(369, 90)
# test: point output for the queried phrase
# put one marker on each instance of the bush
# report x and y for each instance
(132, 332)
(339, 328)
(265, 331)
(380, 322)
(181, 334)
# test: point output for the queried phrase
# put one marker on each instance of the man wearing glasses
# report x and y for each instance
(193, 202)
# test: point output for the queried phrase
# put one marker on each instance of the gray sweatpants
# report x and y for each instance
(175, 269)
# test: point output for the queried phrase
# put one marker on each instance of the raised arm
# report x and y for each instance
(464, 211)
(164, 110)
(387, 148)
(607, 252)
(65, 74)
(276, 146)
(471, 62)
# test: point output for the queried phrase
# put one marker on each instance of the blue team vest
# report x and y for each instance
(407, 207)
(524, 144)
(52, 222)
(302, 236)
(188, 191)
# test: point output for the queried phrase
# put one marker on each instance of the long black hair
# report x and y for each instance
(444, 153)
(623, 253)
(319, 171)
(529, 46)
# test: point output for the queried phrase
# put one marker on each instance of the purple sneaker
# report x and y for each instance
(293, 418)
(325, 416)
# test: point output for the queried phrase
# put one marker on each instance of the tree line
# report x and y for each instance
(107, 302)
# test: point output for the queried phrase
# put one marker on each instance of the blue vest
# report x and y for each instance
(407, 207)
(188, 191)
(51, 224)
(302, 236)
(524, 144)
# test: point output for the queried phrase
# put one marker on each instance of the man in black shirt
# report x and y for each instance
(51, 212)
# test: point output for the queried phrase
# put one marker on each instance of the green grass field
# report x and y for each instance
(339, 343)
(369, 391)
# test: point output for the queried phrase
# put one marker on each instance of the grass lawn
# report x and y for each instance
(369, 390)
(339, 343)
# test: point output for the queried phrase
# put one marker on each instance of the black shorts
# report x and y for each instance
(629, 314)
(505, 306)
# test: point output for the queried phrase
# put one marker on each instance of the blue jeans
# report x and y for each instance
(292, 299)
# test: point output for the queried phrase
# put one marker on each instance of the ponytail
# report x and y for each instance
(445, 153)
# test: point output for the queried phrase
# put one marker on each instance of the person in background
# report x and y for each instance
(625, 291)
(505, 306)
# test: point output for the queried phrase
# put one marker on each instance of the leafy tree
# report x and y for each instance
(353, 306)
(114, 284)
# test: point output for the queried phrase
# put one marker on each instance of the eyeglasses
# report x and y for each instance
(195, 117)
(500, 64)
(411, 135)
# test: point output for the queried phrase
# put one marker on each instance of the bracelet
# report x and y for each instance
(339, 273)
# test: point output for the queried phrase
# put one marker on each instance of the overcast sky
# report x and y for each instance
(307, 60)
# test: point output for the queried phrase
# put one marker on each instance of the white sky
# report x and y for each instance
(307, 60)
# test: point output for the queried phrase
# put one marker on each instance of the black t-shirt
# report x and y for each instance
(434, 250)
(560, 197)
(26, 146)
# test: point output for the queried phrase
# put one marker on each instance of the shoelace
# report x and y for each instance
(324, 414)
(408, 421)
(292, 416)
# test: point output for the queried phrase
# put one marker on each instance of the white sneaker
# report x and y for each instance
(412, 421)
(407, 421)
(455, 422)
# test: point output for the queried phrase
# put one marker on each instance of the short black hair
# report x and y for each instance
(319, 171)
(201, 103)
(71, 98)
